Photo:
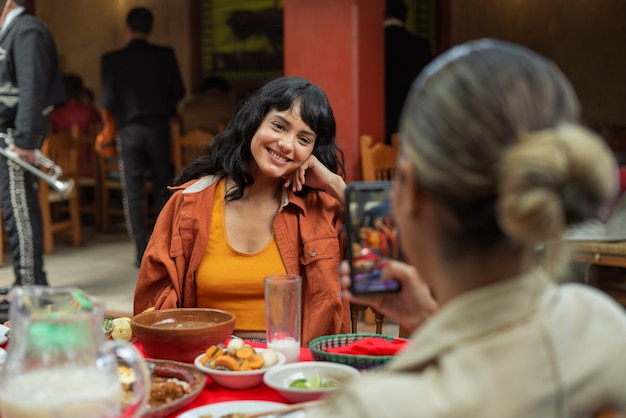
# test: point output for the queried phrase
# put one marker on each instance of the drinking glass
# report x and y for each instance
(282, 308)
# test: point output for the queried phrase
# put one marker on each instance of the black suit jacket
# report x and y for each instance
(141, 81)
(28, 53)
(405, 56)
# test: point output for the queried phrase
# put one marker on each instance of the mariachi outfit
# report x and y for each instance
(30, 86)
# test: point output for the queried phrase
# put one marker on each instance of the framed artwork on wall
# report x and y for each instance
(241, 40)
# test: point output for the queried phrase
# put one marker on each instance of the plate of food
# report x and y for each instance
(239, 370)
(234, 409)
(173, 385)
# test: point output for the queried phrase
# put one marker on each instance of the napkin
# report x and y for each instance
(371, 346)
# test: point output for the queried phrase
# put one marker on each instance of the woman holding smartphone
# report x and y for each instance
(494, 165)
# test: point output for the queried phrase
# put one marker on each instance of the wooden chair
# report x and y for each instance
(88, 172)
(60, 213)
(356, 309)
(111, 199)
(111, 196)
(186, 147)
(379, 320)
(378, 163)
(378, 160)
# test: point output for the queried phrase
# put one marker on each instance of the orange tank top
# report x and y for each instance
(233, 281)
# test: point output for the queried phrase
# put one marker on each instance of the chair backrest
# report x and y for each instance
(378, 160)
(110, 199)
(186, 147)
(378, 163)
(109, 171)
(62, 149)
(87, 161)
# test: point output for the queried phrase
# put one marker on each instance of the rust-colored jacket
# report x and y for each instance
(309, 240)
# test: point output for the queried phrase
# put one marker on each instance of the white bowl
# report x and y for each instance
(280, 377)
(238, 379)
(3, 334)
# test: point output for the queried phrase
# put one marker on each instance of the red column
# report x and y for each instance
(338, 45)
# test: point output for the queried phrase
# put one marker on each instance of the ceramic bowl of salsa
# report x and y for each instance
(181, 334)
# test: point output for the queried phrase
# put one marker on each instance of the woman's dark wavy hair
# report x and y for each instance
(229, 151)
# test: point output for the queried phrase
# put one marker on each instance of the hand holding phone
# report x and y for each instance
(372, 236)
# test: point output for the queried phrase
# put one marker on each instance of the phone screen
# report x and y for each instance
(372, 236)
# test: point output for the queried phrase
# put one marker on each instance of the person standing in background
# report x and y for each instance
(405, 56)
(31, 86)
(141, 85)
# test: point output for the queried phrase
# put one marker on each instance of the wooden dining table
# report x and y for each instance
(214, 393)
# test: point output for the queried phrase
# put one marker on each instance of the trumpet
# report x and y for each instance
(63, 187)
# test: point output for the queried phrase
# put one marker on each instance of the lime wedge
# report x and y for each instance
(329, 384)
(315, 381)
(299, 384)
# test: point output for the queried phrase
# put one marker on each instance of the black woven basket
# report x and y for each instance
(319, 346)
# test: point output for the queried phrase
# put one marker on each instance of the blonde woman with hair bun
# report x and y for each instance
(494, 164)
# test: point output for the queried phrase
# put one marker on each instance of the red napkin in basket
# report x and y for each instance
(371, 346)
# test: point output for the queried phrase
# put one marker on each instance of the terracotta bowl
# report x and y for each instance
(181, 334)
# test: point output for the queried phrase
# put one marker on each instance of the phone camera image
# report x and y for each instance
(372, 235)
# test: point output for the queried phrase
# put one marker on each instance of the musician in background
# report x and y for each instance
(27, 49)
(141, 86)
(405, 56)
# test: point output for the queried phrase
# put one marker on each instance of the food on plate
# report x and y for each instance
(176, 372)
(238, 356)
(122, 330)
(270, 357)
(167, 384)
(166, 389)
(127, 377)
(314, 382)
(234, 345)
(119, 329)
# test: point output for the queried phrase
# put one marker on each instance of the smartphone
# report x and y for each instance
(372, 236)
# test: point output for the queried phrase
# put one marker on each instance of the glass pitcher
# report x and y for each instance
(59, 364)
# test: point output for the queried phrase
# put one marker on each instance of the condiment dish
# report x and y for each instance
(313, 376)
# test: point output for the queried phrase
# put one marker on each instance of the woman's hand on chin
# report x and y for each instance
(312, 173)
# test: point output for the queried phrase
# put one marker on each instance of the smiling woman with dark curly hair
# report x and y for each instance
(266, 197)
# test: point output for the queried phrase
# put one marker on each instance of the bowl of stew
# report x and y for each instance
(181, 334)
